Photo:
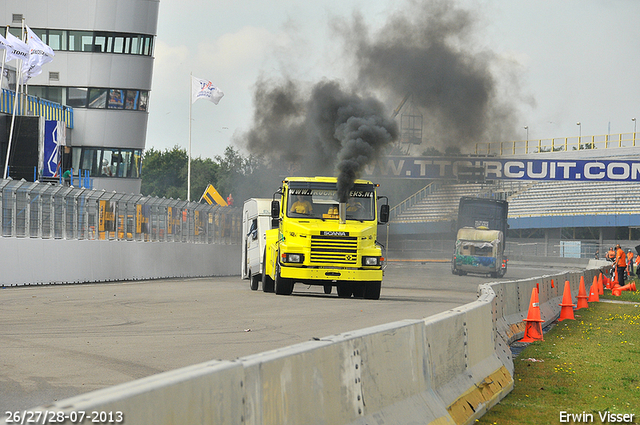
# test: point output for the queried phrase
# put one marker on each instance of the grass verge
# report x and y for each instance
(588, 367)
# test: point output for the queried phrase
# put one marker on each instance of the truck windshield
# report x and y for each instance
(323, 204)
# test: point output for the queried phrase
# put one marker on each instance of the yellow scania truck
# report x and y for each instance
(316, 240)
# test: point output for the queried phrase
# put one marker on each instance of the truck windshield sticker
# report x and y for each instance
(323, 204)
(329, 193)
(360, 194)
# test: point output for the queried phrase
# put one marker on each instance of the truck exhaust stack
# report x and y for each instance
(342, 212)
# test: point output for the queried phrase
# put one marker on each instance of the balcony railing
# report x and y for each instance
(35, 106)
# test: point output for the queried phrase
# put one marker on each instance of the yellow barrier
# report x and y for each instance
(35, 106)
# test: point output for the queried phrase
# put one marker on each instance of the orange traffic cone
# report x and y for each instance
(533, 330)
(600, 286)
(606, 281)
(614, 284)
(566, 312)
(593, 292)
(582, 295)
(617, 291)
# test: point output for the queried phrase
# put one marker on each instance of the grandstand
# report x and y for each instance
(526, 200)
(439, 200)
(545, 215)
(575, 198)
(436, 202)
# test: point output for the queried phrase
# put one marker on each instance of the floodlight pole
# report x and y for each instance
(189, 149)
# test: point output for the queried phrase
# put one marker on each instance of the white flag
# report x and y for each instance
(4, 44)
(29, 71)
(39, 52)
(17, 48)
(204, 89)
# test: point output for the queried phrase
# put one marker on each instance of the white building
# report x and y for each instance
(102, 68)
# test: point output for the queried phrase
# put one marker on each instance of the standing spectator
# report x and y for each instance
(597, 255)
(611, 255)
(230, 200)
(630, 262)
(621, 264)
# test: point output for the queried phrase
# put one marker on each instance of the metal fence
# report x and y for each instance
(53, 211)
(559, 144)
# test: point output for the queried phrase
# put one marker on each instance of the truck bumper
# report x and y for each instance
(308, 274)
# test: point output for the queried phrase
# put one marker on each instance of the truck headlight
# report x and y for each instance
(292, 258)
(370, 261)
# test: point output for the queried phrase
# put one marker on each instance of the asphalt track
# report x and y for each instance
(60, 341)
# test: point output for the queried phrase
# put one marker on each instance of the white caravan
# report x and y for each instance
(256, 220)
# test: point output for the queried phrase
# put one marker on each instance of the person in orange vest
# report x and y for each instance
(230, 200)
(611, 255)
(621, 264)
(630, 262)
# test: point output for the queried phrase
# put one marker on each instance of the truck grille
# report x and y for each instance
(334, 249)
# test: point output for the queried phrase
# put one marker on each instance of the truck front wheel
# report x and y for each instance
(283, 285)
(344, 289)
(358, 289)
(372, 290)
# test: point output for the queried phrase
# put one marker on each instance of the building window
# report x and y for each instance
(116, 99)
(94, 98)
(81, 41)
(131, 102)
(93, 41)
(97, 98)
(118, 44)
(144, 100)
(100, 43)
(77, 97)
(108, 162)
(56, 39)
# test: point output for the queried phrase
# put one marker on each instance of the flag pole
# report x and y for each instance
(4, 59)
(189, 150)
(16, 101)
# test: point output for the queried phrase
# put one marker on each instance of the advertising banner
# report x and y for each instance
(506, 168)
(54, 138)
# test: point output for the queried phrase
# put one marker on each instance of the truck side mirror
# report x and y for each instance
(384, 213)
(275, 209)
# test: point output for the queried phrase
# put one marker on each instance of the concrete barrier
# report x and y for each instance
(446, 369)
(26, 261)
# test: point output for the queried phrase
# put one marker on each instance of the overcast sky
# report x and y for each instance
(557, 62)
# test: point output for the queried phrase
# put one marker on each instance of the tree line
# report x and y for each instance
(164, 174)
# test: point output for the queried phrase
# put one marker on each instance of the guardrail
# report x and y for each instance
(53, 211)
(448, 368)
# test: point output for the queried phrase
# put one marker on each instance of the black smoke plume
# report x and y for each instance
(426, 50)
(331, 131)
(429, 50)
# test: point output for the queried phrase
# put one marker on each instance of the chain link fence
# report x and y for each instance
(53, 211)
